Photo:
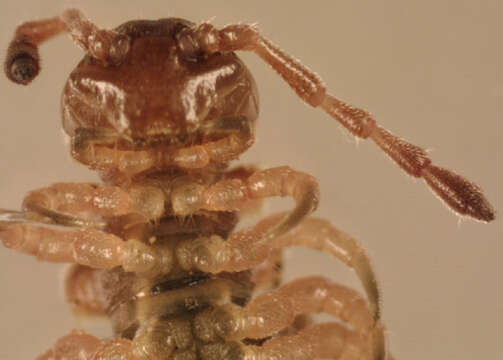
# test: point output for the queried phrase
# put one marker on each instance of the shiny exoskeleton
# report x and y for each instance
(159, 108)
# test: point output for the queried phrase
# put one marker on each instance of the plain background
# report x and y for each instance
(429, 70)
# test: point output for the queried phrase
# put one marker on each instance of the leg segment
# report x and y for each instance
(461, 195)
(242, 173)
(84, 246)
(250, 247)
(52, 243)
(321, 235)
(267, 275)
(75, 345)
(97, 149)
(84, 291)
(231, 194)
(321, 341)
(272, 312)
(79, 345)
(81, 199)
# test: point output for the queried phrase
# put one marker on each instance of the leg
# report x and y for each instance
(84, 246)
(242, 173)
(54, 243)
(84, 291)
(89, 147)
(72, 346)
(267, 275)
(96, 149)
(250, 247)
(231, 194)
(94, 200)
(321, 341)
(321, 235)
(459, 194)
(79, 345)
(272, 312)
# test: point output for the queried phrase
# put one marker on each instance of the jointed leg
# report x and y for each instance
(328, 341)
(82, 204)
(231, 194)
(244, 249)
(79, 345)
(459, 194)
(98, 249)
(84, 291)
(321, 235)
(321, 341)
(250, 247)
(71, 346)
(84, 246)
(272, 312)
(63, 201)
(96, 148)
(242, 173)
(267, 275)
(50, 227)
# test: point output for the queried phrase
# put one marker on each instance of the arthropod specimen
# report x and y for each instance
(159, 108)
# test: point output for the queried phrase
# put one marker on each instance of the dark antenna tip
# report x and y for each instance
(22, 64)
(22, 69)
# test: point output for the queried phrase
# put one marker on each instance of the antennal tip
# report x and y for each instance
(22, 64)
(23, 69)
(461, 195)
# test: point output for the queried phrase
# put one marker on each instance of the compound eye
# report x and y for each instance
(22, 64)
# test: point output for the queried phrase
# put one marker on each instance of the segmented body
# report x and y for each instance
(159, 108)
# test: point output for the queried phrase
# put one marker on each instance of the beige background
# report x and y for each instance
(429, 70)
